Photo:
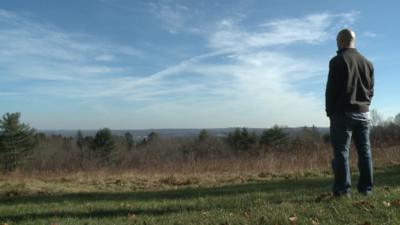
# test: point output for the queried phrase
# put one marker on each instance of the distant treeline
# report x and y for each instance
(23, 148)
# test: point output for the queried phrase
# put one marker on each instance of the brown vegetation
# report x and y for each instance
(240, 152)
(160, 163)
(306, 152)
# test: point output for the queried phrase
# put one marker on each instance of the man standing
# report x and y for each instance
(349, 91)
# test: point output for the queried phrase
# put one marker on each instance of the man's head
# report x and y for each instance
(346, 38)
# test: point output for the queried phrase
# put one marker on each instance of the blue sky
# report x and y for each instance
(87, 64)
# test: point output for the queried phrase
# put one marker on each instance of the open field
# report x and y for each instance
(195, 199)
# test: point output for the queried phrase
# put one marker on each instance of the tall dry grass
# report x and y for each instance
(60, 156)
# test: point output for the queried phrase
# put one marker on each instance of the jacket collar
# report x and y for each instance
(346, 50)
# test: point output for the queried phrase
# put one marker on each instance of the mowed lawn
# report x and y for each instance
(290, 200)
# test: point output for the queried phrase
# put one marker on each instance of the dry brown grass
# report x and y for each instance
(270, 165)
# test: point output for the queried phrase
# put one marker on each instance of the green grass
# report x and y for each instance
(263, 201)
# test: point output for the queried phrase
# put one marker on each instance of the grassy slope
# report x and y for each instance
(261, 201)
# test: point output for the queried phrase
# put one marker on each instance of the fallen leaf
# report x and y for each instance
(246, 213)
(365, 223)
(386, 204)
(131, 216)
(314, 221)
(293, 219)
(364, 204)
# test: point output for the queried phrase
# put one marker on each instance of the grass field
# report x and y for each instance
(250, 199)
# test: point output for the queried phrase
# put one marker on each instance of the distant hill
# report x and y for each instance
(292, 131)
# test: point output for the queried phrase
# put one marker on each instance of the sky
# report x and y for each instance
(138, 64)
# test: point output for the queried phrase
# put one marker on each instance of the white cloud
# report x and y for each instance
(99, 70)
(315, 28)
(241, 81)
(105, 57)
(7, 15)
(41, 51)
(259, 82)
(174, 17)
(258, 85)
(9, 93)
(258, 91)
(253, 80)
(369, 34)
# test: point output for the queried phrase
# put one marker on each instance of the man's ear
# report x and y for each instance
(340, 42)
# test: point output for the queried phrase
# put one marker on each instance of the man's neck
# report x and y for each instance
(344, 49)
(348, 47)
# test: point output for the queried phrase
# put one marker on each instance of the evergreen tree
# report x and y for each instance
(153, 136)
(80, 140)
(203, 135)
(130, 142)
(242, 139)
(104, 144)
(310, 135)
(274, 136)
(80, 143)
(16, 141)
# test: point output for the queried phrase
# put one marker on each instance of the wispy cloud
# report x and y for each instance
(369, 34)
(41, 51)
(240, 80)
(311, 29)
(174, 16)
(8, 93)
(251, 78)
(105, 57)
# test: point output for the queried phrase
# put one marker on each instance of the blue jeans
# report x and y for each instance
(342, 129)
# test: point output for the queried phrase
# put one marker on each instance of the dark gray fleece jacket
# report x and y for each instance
(350, 85)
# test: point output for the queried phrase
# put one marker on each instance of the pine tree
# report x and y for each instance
(80, 140)
(203, 136)
(274, 136)
(104, 144)
(130, 142)
(242, 139)
(16, 141)
(80, 143)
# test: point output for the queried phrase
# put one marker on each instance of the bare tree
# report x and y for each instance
(397, 119)
(376, 118)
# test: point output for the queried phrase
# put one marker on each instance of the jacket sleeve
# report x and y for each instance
(331, 88)
(371, 92)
